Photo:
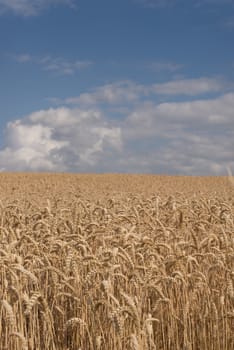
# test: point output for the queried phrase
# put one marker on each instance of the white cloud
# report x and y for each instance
(59, 65)
(190, 137)
(195, 137)
(119, 92)
(173, 117)
(190, 87)
(59, 140)
(129, 92)
(30, 7)
(62, 66)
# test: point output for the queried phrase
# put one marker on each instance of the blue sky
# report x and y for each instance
(142, 86)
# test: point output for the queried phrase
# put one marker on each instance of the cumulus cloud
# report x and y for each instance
(30, 7)
(148, 136)
(59, 140)
(179, 119)
(195, 137)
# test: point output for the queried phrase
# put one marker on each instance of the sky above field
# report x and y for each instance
(130, 86)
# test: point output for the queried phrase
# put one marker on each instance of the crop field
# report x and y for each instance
(110, 262)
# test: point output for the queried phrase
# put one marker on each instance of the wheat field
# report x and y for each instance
(105, 262)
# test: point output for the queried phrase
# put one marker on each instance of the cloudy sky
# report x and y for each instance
(130, 86)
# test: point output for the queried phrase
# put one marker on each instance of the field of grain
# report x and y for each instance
(105, 262)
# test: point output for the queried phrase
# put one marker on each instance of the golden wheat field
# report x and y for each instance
(105, 262)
